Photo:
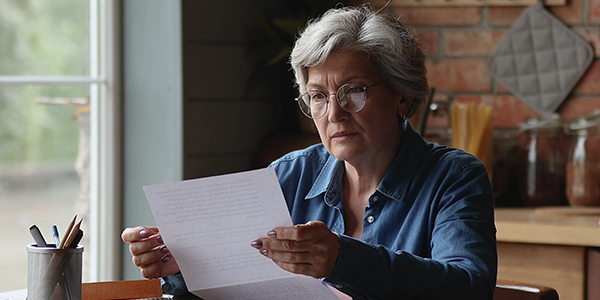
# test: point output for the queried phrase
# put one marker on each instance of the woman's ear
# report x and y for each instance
(404, 106)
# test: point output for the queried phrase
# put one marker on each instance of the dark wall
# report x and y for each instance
(224, 123)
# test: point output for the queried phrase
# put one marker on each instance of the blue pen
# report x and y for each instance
(56, 236)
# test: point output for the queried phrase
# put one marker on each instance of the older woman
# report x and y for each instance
(381, 213)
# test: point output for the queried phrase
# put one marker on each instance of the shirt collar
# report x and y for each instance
(329, 181)
(396, 181)
(394, 184)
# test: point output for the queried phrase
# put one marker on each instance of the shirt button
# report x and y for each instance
(370, 219)
(339, 286)
(375, 198)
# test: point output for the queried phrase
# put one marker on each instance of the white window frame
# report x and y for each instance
(105, 263)
(105, 135)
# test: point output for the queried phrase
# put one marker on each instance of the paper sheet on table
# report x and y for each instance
(208, 224)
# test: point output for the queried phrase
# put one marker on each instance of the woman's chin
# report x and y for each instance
(344, 153)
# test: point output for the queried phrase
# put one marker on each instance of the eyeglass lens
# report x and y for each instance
(350, 97)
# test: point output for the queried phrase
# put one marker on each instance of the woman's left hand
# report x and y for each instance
(309, 249)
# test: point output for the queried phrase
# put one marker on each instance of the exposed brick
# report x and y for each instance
(509, 111)
(439, 15)
(430, 41)
(459, 75)
(594, 11)
(507, 15)
(570, 14)
(592, 35)
(578, 106)
(461, 42)
(504, 15)
(589, 84)
(469, 98)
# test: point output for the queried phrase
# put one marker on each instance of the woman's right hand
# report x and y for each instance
(149, 252)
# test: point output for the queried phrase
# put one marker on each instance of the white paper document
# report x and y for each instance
(208, 225)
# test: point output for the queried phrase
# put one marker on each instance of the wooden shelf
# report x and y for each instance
(524, 225)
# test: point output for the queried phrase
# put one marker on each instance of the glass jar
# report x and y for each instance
(542, 163)
(583, 160)
(506, 161)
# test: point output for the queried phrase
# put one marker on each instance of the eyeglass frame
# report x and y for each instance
(327, 96)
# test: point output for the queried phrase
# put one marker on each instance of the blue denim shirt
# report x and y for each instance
(428, 230)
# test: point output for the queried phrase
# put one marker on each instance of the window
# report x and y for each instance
(57, 129)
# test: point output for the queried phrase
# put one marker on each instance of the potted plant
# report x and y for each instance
(270, 43)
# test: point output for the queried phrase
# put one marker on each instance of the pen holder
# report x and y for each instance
(54, 274)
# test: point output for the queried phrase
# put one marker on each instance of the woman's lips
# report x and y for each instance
(342, 134)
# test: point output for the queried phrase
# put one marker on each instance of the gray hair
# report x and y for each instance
(391, 44)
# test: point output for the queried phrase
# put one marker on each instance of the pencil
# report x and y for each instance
(72, 234)
(67, 232)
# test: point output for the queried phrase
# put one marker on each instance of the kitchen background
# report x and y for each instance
(459, 42)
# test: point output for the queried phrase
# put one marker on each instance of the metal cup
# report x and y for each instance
(54, 274)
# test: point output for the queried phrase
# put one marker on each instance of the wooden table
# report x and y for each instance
(551, 247)
(130, 289)
(22, 295)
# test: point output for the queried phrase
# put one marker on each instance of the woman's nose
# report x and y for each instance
(335, 113)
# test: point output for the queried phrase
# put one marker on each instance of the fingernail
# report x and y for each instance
(272, 234)
(145, 233)
(256, 244)
(264, 252)
(165, 258)
(164, 250)
(159, 239)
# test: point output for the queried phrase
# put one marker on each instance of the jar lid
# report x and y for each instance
(586, 121)
(552, 120)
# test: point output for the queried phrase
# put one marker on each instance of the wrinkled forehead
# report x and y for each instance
(344, 64)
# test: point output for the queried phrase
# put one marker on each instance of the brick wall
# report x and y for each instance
(460, 40)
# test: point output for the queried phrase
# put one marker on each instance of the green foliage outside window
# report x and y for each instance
(41, 38)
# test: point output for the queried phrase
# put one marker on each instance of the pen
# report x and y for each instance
(37, 236)
(56, 236)
(77, 238)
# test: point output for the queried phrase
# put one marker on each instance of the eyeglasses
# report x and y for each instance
(352, 97)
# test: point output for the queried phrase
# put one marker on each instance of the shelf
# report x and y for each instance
(524, 225)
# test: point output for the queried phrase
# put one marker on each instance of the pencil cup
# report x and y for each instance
(53, 274)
